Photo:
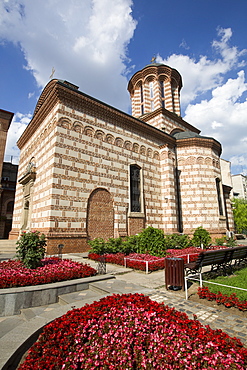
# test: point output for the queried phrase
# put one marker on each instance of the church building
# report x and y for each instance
(89, 170)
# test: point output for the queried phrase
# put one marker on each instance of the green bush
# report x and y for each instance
(201, 237)
(130, 244)
(114, 245)
(220, 241)
(177, 241)
(231, 243)
(31, 249)
(98, 245)
(152, 241)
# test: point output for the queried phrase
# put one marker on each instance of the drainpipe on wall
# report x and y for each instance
(177, 184)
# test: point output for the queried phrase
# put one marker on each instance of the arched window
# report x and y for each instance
(135, 188)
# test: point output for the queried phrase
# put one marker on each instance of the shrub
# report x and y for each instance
(130, 245)
(220, 241)
(31, 249)
(151, 241)
(201, 237)
(177, 241)
(98, 245)
(231, 243)
(114, 245)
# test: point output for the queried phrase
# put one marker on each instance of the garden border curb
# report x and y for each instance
(15, 343)
(12, 300)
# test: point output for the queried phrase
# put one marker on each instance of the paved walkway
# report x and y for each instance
(14, 328)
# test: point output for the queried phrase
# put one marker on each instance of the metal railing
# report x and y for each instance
(191, 277)
(142, 261)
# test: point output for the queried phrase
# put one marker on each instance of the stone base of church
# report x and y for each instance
(14, 234)
(71, 243)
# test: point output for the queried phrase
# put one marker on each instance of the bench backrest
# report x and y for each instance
(216, 257)
(221, 256)
(239, 252)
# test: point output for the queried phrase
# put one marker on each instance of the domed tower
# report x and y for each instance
(155, 87)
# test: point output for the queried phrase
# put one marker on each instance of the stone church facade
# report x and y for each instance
(89, 170)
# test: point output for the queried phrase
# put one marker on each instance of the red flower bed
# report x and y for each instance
(14, 273)
(193, 252)
(183, 253)
(227, 301)
(138, 261)
(132, 332)
(135, 260)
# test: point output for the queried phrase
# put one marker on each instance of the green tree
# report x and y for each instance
(31, 249)
(201, 237)
(239, 207)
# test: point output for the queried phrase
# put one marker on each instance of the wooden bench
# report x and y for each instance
(221, 259)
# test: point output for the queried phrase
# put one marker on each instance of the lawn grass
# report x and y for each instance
(237, 279)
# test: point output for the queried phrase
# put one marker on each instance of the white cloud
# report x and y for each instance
(224, 117)
(18, 125)
(223, 114)
(85, 41)
(184, 45)
(204, 75)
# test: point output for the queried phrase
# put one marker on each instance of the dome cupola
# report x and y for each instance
(155, 86)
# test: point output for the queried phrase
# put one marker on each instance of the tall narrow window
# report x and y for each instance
(142, 106)
(151, 90)
(135, 188)
(219, 197)
(162, 89)
(173, 98)
(151, 94)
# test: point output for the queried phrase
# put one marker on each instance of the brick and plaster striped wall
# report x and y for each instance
(199, 167)
(168, 197)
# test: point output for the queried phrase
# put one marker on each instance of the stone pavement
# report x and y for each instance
(15, 330)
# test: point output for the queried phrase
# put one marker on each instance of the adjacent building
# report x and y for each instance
(239, 184)
(89, 170)
(8, 173)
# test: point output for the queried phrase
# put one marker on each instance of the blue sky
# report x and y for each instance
(99, 44)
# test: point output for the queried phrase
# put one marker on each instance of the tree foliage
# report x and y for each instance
(201, 237)
(240, 214)
(31, 248)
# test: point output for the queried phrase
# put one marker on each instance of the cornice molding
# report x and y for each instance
(59, 92)
(157, 70)
(200, 142)
(171, 115)
(47, 101)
